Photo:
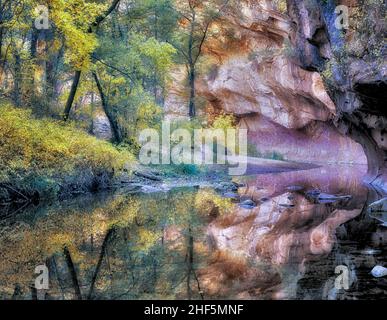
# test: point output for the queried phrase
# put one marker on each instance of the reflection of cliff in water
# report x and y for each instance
(194, 243)
(299, 238)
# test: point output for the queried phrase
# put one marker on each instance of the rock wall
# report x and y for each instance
(317, 142)
(286, 230)
(262, 67)
(353, 61)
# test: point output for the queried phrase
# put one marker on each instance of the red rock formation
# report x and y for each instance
(256, 249)
(354, 65)
(254, 75)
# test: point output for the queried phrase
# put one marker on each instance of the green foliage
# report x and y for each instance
(224, 122)
(253, 151)
(174, 170)
(138, 112)
(133, 74)
(281, 6)
(274, 155)
(368, 22)
(129, 52)
(327, 73)
(41, 154)
(154, 18)
(73, 19)
(187, 169)
(190, 125)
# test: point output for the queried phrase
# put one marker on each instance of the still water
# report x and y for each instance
(201, 243)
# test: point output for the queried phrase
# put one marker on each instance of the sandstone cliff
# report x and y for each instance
(300, 85)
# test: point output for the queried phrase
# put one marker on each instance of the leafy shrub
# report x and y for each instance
(41, 155)
(188, 169)
(281, 6)
(173, 170)
(252, 151)
(224, 121)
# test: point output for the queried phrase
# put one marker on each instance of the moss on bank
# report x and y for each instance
(44, 158)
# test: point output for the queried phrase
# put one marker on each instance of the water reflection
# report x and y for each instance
(194, 243)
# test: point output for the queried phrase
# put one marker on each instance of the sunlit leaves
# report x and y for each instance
(73, 19)
(207, 202)
(44, 146)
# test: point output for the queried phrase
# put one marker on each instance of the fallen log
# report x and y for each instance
(146, 175)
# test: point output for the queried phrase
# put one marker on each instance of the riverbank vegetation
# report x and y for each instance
(65, 65)
(46, 158)
(74, 71)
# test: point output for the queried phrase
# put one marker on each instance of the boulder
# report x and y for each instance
(379, 206)
(379, 272)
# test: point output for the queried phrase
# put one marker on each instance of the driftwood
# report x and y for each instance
(148, 176)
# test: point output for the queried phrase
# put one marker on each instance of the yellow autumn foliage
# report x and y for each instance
(207, 199)
(48, 147)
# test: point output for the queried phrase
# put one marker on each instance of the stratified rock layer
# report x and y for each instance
(354, 63)
(254, 73)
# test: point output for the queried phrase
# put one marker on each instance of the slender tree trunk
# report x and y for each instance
(50, 67)
(34, 42)
(1, 43)
(77, 75)
(17, 293)
(73, 273)
(108, 236)
(191, 68)
(38, 49)
(17, 81)
(34, 293)
(189, 263)
(105, 106)
(34, 55)
(52, 76)
(1, 52)
(192, 78)
(53, 269)
(73, 91)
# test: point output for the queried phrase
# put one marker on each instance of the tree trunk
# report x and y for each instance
(34, 293)
(34, 42)
(73, 273)
(77, 75)
(17, 293)
(73, 91)
(105, 106)
(189, 263)
(108, 236)
(17, 81)
(192, 106)
(50, 67)
(2, 60)
(191, 67)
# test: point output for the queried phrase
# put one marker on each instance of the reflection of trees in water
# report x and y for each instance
(166, 246)
(116, 249)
